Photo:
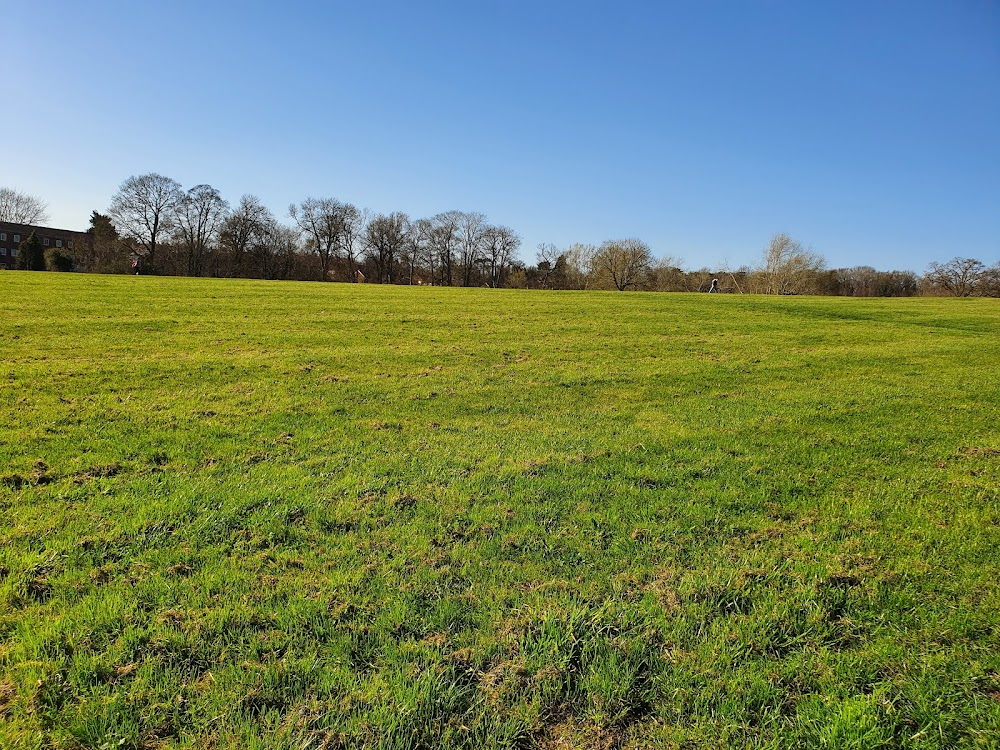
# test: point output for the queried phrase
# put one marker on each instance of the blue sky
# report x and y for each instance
(869, 130)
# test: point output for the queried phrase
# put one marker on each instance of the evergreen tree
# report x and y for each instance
(103, 251)
(31, 254)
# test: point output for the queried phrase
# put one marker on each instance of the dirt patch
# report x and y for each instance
(14, 481)
(7, 695)
(39, 589)
(507, 677)
(663, 587)
(173, 617)
(972, 451)
(570, 735)
(97, 472)
(124, 670)
(38, 477)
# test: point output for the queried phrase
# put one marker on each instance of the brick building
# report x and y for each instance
(12, 235)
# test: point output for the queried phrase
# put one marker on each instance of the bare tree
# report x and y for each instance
(353, 223)
(859, 281)
(385, 240)
(500, 246)
(279, 250)
(579, 264)
(865, 281)
(959, 277)
(420, 249)
(624, 263)
(991, 281)
(667, 275)
(445, 239)
(245, 232)
(788, 267)
(322, 222)
(21, 208)
(143, 210)
(200, 217)
(551, 265)
(471, 227)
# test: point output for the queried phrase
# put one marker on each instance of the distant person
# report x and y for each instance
(715, 286)
(135, 265)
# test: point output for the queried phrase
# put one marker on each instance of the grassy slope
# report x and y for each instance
(251, 514)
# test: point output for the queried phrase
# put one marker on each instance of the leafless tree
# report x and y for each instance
(322, 222)
(420, 250)
(445, 240)
(788, 267)
(245, 232)
(865, 281)
(579, 264)
(959, 277)
(551, 264)
(386, 237)
(201, 214)
(500, 246)
(471, 227)
(859, 281)
(625, 264)
(667, 275)
(21, 208)
(143, 210)
(353, 223)
(279, 250)
(990, 286)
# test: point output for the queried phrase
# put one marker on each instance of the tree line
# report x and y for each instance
(195, 232)
(785, 267)
(153, 225)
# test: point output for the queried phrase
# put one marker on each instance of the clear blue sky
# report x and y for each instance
(868, 130)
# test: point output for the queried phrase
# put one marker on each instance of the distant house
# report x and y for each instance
(12, 235)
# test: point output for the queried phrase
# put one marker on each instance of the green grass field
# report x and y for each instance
(239, 514)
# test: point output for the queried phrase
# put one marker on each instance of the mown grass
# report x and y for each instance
(240, 514)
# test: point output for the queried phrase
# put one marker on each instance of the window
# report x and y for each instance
(69, 244)
(13, 252)
(3, 252)
(45, 241)
(17, 238)
(58, 243)
(3, 236)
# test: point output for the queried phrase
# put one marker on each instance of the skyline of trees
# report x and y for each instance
(195, 232)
